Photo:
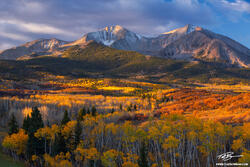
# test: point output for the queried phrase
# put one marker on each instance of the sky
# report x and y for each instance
(26, 20)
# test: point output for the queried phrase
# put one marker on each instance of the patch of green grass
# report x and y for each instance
(6, 161)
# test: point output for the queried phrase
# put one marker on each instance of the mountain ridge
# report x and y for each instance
(188, 43)
(95, 60)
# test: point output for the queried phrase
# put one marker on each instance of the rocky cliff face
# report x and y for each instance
(208, 46)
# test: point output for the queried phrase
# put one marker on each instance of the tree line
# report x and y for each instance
(94, 140)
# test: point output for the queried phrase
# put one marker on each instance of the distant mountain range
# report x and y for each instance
(190, 43)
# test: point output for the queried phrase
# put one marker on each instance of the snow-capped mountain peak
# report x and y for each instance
(110, 35)
(106, 36)
(46, 43)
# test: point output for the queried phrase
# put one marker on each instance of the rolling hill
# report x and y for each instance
(97, 60)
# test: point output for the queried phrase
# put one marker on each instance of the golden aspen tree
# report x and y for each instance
(237, 144)
(171, 144)
(109, 158)
(17, 142)
(245, 158)
(68, 134)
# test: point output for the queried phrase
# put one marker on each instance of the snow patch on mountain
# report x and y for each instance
(108, 43)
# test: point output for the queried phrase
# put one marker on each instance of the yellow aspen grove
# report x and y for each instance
(246, 131)
(49, 161)
(130, 158)
(86, 156)
(68, 134)
(34, 158)
(171, 144)
(129, 164)
(64, 163)
(36, 161)
(60, 160)
(245, 158)
(16, 142)
(109, 158)
(134, 136)
(237, 144)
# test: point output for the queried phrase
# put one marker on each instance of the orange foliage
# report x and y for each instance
(207, 105)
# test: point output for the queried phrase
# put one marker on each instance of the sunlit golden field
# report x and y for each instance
(234, 88)
(208, 101)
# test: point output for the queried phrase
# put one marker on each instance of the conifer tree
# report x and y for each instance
(135, 107)
(36, 121)
(66, 118)
(34, 145)
(59, 144)
(48, 123)
(88, 111)
(81, 113)
(78, 132)
(93, 111)
(26, 122)
(129, 108)
(121, 107)
(13, 126)
(142, 161)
